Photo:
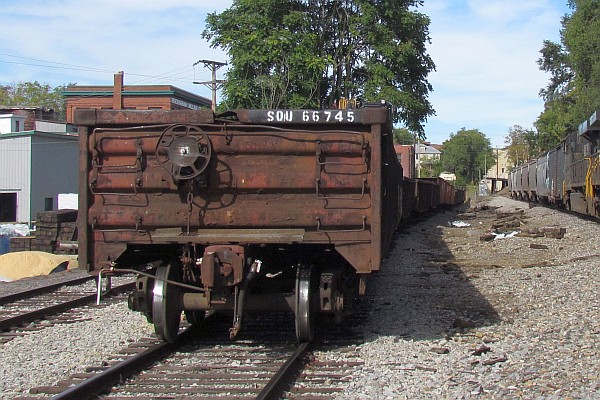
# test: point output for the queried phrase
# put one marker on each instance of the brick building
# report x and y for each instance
(38, 161)
(406, 156)
(128, 97)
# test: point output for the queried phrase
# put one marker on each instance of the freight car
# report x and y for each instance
(425, 194)
(567, 175)
(246, 211)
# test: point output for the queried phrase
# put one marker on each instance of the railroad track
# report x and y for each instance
(204, 363)
(35, 309)
(25, 294)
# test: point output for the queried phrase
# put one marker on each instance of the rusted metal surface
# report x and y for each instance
(94, 117)
(336, 182)
(222, 266)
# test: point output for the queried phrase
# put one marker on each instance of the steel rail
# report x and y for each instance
(99, 382)
(273, 387)
(9, 298)
(10, 322)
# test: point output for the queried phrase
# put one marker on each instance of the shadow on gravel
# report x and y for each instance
(420, 293)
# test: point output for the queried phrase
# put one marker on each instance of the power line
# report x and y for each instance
(73, 67)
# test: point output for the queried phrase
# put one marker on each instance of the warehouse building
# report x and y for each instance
(39, 161)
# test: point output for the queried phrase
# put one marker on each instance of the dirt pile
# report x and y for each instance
(25, 264)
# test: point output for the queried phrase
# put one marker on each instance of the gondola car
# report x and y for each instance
(248, 210)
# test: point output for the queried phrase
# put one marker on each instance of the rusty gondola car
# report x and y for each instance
(250, 210)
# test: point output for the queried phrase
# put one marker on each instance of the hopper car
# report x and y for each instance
(566, 176)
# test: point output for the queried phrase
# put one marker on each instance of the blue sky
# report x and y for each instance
(485, 52)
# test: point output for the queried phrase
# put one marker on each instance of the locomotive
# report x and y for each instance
(566, 176)
(244, 211)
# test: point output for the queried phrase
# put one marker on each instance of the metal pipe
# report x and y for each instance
(134, 271)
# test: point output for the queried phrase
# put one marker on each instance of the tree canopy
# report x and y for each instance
(403, 136)
(310, 53)
(522, 145)
(33, 94)
(467, 153)
(573, 91)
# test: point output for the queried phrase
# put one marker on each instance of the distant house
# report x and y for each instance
(128, 97)
(38, 160)
(415, 157)
(425, 156)
(426, 153)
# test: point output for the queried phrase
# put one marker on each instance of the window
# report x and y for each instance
(48, 204)
(17, 126)
(8, 207)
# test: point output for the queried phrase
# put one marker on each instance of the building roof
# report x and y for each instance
(402, 147)
(4, 108)
(426, 149)
(54, 135)
(136, 90)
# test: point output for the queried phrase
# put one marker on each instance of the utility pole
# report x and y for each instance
(497, 163)
(418, 161)
(485, 166)
(214, 83)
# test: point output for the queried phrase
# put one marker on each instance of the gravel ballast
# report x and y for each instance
(452, 317)
(44, 357)
(455, 317)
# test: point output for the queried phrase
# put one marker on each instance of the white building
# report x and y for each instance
(35, 166)
(496, 177)
(425, 156)
(448, 176)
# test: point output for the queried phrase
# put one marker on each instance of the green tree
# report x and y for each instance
(310, 53)
(467, 154)
(522, 144)
(403, 136)
(34, 94)
(431, 169)
(573, 91)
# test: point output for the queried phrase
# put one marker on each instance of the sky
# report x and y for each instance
(485, 52)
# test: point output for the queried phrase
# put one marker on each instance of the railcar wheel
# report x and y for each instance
(166, 311)
(304, 307)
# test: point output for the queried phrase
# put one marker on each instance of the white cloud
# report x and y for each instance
(139, 37)
(486, 52)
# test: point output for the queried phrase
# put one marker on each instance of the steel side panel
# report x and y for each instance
(83, 229)
(278, 182)
(376, 199)
(542, 176)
